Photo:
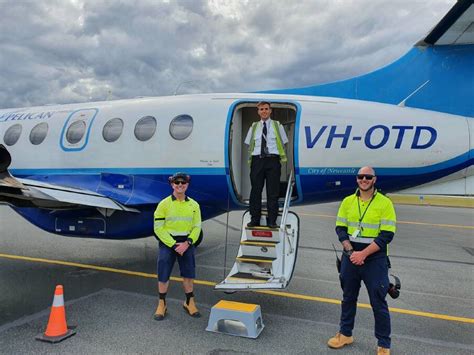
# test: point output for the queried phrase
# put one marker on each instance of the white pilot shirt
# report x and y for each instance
(271, 138)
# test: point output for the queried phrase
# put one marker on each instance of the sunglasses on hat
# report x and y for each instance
(366, 176)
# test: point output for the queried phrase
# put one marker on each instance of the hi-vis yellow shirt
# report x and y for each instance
(175, 218)
(379, 215)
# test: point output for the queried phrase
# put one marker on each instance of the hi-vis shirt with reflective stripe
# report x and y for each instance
(276, 133)
(177, 218)
(380, 215)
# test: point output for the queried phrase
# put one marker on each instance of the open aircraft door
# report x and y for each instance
(267, 256)
(242, 115)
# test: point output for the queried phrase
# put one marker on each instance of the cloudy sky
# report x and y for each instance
(60, 51)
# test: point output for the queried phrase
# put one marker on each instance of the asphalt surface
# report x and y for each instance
(110, 290)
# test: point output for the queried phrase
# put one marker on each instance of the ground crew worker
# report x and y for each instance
(266, 139)
(365, 225)
(177, 227)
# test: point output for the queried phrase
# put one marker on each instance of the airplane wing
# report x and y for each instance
(31, 193)
(456, 27)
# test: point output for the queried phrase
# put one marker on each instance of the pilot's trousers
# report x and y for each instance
(265, 170)
(374, 273)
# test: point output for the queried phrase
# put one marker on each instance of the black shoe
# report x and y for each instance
(252, 224)
(272, 225)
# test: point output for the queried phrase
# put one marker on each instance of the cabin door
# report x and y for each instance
(244, 115)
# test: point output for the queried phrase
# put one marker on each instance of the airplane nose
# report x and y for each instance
(5, 158)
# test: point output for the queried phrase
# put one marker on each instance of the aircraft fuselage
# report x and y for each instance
(330, 139)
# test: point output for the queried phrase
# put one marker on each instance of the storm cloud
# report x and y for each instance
(58, 51)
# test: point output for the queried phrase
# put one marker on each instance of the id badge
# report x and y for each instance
(356, 233)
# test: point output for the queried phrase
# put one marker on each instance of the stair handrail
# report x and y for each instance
(286, 205)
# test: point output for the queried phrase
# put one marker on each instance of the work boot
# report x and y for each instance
(339, 340)
(382, 351)
(253, 224)
(191, 308)
(160, 311)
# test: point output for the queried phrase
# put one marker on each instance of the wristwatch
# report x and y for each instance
(348, 252)
(190, 241)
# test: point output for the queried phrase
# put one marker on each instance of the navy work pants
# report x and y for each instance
(263, 170)
(374, 273)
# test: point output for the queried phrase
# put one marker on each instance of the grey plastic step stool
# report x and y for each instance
(236, 318)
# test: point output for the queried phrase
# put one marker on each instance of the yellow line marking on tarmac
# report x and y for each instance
(365, 305)
(212, 284)
(398, 222)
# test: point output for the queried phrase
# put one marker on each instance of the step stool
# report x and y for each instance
(236, 318)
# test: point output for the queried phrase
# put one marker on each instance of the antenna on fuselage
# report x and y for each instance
(402, 103)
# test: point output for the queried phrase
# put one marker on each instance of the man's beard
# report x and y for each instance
(370, 187)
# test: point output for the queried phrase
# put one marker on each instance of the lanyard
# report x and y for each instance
(358, 205)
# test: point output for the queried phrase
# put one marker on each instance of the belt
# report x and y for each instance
(262, 156)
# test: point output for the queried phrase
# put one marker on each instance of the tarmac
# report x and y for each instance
(433, 200)
(110, 290)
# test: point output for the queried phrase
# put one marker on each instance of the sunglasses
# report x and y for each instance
(180, 182)
(366, 176)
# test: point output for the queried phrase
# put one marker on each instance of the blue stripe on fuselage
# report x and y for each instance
(336, 183)
(460, 162)
(129, 171)
(211, 186)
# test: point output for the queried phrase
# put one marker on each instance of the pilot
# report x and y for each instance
(366, 223)
(266, 139)
(177, 227)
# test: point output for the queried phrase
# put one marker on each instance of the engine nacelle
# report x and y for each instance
(5, 158)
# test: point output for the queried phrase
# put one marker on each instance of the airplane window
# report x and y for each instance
(38, 133)
(145, 128)
(12, 134)
(112, 129)
(75, 132)
(181, 127)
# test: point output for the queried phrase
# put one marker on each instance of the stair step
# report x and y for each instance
(261, 228)
(264, 211)
(255, 259)
(259, 244)
(248, 277)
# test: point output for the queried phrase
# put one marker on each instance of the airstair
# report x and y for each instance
(267, 256)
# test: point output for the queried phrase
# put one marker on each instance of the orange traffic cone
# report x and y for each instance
(57, 329)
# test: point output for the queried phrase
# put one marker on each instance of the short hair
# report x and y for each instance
(367, 167)
(261, 103)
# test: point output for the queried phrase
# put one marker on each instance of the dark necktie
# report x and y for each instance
(263, 149)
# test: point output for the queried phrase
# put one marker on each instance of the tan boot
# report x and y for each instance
(191, 308)
(160, 310)
(339, 340)
(382, 351)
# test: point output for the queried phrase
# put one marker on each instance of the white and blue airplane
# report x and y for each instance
(98, 170)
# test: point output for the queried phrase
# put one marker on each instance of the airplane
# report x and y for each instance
(98, 169)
